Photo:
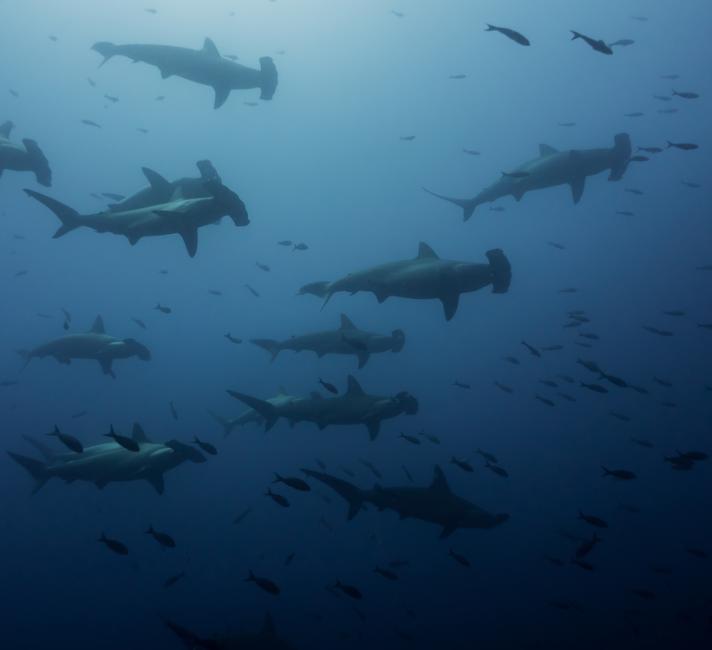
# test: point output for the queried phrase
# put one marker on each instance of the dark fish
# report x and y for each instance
(277, 498)
(694, 455)
(460, 559)
(411, 439)
(504, 387)
(691, 184)
(300, 247)
(670, 76)
(398, 564)
(499, 471)
(70, 442)
(127, 443)
(685, 95)
(172, 580)
(407, 138)
(568, 398)
(162, 309)
(705, 326)
(91, 123)
(252, 291)
(596, 388)
(241, 517)
(233, 339)
(531, 349)
(330, 387)
(698, 553)
(174, 413)
(616, 381)
(659, 332)
(667, 111)
(586, 566)
(680, 463)
(631, 190)
(509, 33)
(593, 520)
(262, 267)
(625, 213)
(568, 290)
(385, 573)
(264, 583)
(114, 545)
(19, 274)
(215, 292)
(639, 159)
(567, 378)
(292, 482)
(91, 82)
(674, 312)
(516, 174)
(636, 114)
(490, 458)
(457, 76)
(160, 98)
(642, 443)
(620, 474)
(112, 99)
(13, 92)
(554, 244)
(587, 546)
(6, 383)
(139, 322)
(630, 508)
(549, 383)
(471, 152)
(140, 130)
(623, 42)
(397, 14)
(434, 439)
(407, 473)
(462, 464)
(597, 45)
(513, 360)
(544, 400)
(163, 539)
(685, 146)
(151, 11)
(288, 559)
(205, 446)
(79, 414)
(460, 384)
(349, 590)
(641, 19)
(663, 382)
(662, 98)
(285, 242)
(619, 416)
(372, 467)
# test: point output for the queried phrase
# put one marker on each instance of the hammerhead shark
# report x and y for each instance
(25, 158)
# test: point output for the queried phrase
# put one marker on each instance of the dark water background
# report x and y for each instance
(323, 163)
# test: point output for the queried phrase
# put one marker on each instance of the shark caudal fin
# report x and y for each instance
(268, 78)
(319, 289)
(106, 49)
(353, 495)
(622, 151)
(227, 425)
(468, 205)
(68, 216)
(39, 163)
(270, 345)
(501, 270)
(36, 468)
(265, 409)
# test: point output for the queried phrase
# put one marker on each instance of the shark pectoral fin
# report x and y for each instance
(133, 238)
(448, 529)
(577, 186)
(374, 428)
(165, 72)
(221, 95)
(190, 239)
(156, 481)
(106, 367)
(381, 295)
(450, 302)
(363, 357)
(518, 193)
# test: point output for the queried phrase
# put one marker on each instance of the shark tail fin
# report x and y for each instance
(227, 425)
(36, 468)
(270, 345)
(269, 78)
(39, 163)
(501, 270)
(319, 289)
(106, 49)
(575, 35)
(26, 357)
(468, 205)
(68, 216)
(622, 151)
(265, 409)
(398, 340)
(352, 494)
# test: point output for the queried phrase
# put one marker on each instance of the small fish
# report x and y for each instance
(233, 339)
(112, 99)
(670, 76)
(372, 467)
(705, 326)
(531, 349)
(139, 322)
(79, 414)
(691, 184)
(589, 335)
(407, 138)
(292, 482)
(625, 213)
(460, 559)
(285, 242)
(462, 464)
(685, 146)
(163, 539)
(264, 583)
(655, 330)
(663, 382)
(160, 98)
(457, 76)
(685, 94)
(509, 33)
(568, 290)
(662, 98)
(472, 152)
(162, 309)
(205, 446)
(636, 114)
(300, 247)
(620, 474)
(13, 92)
(19, 274)
(114, 545)
(127, 443)
(544, 400)
(411, 439)
(173, 580)
(698, 553)
(587, 546)
(151, 11)
(567, 397)
(674, 312)
(639, 159)
(386, 573)
(490, 458)
(646, 444)
(277, 498)
(434, 439)
(597, 45)
(262, 267)
(174, 413)
(549, 383)
(586, 566)
(630, 508)
(215, 292)
(241, 517)
(70, 442)
(516, 174)
(91, 82)
(552, 348)
(252, 291)
(288, 559)
(667, 111)
(623, 42)
(500, 471)
(407, 473)
(503, 387)
(397, 14)
(496, 208)
(330, 387)
(619, 416)
(349, 590)
(641, 19)
(462, 385)
(596, 388)
(592, 520)
(650, 149)
(91, 123)
(6, 383)
(513, 360)
(567, 378)
(554, 244)
(140, 130)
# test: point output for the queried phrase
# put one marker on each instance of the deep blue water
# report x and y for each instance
(324, 163)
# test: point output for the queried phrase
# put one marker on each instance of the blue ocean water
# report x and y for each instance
(330, 161)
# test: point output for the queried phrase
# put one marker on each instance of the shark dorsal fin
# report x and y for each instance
(138, 434)
(439, 483)
(268, 630)
(546, 150)
(346, 323)
(353, 387)
(210, 48)
(98, 326)
(425, 252)
(157, 182)
(6, 129)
